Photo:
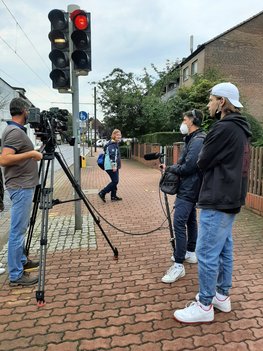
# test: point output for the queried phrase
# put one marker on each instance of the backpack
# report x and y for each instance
(100, 161)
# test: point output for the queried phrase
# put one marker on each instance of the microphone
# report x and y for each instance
(152, 156)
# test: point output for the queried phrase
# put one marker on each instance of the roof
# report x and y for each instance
(202, 46)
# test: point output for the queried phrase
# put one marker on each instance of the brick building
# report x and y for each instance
(237, 55)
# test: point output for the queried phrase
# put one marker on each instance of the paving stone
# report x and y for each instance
(94, 302)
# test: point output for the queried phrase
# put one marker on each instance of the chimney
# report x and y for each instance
(191, 43)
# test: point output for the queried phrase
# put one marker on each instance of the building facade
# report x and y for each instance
(7, 93)
(237, 55)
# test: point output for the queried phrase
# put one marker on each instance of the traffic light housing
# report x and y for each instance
(59, 55)
(81, 38)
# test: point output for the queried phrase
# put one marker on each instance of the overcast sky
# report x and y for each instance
(128, 34)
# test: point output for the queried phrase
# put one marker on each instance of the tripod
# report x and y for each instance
(43, 198)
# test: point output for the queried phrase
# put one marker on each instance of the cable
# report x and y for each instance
(110, 224)
(22, 83)
(21, 58)
(33, 46)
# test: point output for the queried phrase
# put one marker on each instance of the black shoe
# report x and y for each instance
(31, 265)
(25, 280)
(102, 196)
(116, 198)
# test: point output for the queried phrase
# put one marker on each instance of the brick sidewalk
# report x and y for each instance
(96, 303)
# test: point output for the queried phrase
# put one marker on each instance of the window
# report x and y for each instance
(194, 68)
(185, 73)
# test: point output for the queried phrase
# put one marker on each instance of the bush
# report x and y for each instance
(124, 151)
(256, 129)
(162, 138)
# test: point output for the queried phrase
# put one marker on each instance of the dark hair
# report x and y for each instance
(196, 116)
(18, 106)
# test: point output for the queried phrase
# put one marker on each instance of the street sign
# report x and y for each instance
(83, 116)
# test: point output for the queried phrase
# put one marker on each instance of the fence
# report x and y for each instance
(256, 171)
(254, 199)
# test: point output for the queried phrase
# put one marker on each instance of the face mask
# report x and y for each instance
(184, 129)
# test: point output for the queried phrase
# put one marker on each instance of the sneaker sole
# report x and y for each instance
(31, 269)
(12, 284)
(180, 276)
(203, 322)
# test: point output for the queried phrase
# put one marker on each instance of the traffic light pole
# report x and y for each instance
(75, 117)
(95, 118)
(75, 126)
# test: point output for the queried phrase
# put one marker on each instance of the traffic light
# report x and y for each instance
(81, 38)
(59, 55)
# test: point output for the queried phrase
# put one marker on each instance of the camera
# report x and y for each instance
(48, 124)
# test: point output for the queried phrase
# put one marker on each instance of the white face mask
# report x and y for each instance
(184, 129)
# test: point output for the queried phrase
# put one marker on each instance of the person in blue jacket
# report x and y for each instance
(185, 223)
(112, 164)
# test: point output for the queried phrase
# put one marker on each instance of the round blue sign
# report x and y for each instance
(83, 116)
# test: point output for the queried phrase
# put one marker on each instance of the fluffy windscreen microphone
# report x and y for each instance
(152, 156)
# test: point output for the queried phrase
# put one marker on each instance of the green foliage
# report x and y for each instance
(195, 96)
(124, 151)
(256, 129)
(162, 138)
(134, 105)
(120, 98)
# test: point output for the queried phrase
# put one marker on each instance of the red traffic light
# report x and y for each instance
(80, 20)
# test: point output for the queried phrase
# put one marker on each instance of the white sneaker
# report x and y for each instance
(223, 305)
(2, 270)
(194, 313)
(190, 257)
(174, 273)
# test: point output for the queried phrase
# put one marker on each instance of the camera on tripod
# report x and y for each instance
(48, 123)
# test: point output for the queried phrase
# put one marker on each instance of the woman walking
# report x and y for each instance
(112, 164)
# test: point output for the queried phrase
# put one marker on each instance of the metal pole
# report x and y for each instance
(95, 119)
(75, 125)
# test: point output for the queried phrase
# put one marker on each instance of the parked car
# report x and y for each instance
(101, 142)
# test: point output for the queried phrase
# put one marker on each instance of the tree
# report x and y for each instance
(120, 98)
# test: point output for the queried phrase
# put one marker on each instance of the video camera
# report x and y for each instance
(48, 123)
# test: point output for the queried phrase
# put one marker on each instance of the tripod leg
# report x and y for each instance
(36, 201)
(32, 219)
(46, 195)
(172, 240)
(86, 202)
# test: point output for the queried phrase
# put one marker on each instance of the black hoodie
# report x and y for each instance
(224, 161)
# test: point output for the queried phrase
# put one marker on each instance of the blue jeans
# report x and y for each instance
(112, 186)
(20, 217)
(184, 217)
(214, 251)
